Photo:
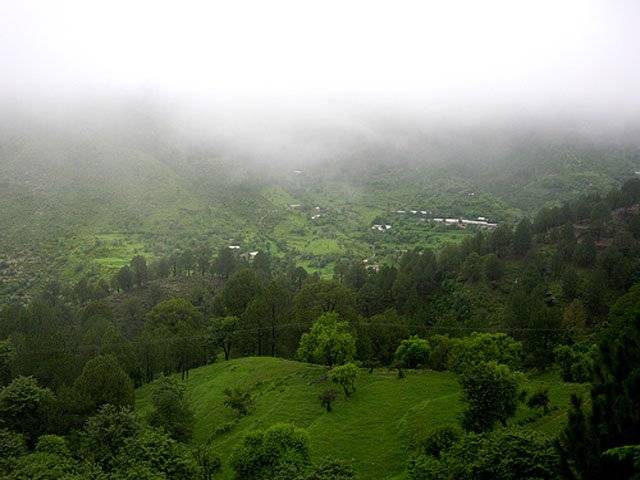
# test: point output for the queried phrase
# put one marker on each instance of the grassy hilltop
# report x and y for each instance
(372, 429)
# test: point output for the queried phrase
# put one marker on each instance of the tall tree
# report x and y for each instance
(522, 237)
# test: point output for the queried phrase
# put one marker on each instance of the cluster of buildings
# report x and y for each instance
(481, 222)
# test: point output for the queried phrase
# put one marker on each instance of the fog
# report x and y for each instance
(305, 80)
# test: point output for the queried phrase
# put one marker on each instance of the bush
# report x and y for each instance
(506, 454)
(239, 401)
(440, 440)
(413, 352)
(264, 454)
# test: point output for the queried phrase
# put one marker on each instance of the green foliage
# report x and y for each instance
(461, 353)
(491, 393)
(239, 290)
(47, 466)
(27, 408)
(264, 453)
(103, 381)
(522, 237)
(611, 420)
(104, 434)
(378, 337)
(413, 352)
(439, 440)
(208, 462)
(376, 443)
(171, 410)
(575, 362)
(539, 399)
(329, 342)
(223, 333)
(345, 376)
(238, 400)
(330, 470)
(12, 446)
(505, 454)
(156, 453)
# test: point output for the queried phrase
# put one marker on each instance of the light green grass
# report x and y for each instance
(373, 429)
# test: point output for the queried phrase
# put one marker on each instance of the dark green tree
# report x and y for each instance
(491, 393)
(170, 409)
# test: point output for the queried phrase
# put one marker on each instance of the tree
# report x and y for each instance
(505, 454)
(225, 263)
(154, 455)
(105, 433)
(263, 454)
(493, 268)
(378, 337)
(170, 409)
(203, 258)
(574, 319)
(323, 296)
(585, 254)
(327, 397)
(12, 446)
(242, 287)
(491, 393)
(413, 352)
(103, 381)
(223, 332)
(570, 284)
(345, 376)
(611, 420)
(266, 312)
(329, 342)
(27, 408)
(522, 237)
(7, 353)
(262, 264)
(140, 270)
(472, 268)
(124, 279)
(182, 326)
(478, 347)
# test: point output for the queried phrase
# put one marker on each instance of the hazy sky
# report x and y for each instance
(494, 53)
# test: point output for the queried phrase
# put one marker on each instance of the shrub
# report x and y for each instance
(413, 352)
(239, 401)
(264, 454)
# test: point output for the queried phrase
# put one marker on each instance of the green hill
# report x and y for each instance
(373, 429)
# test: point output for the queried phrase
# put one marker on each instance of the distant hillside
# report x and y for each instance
(373, 429)
(81, 201)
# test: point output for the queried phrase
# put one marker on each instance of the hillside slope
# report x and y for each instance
(373, 429)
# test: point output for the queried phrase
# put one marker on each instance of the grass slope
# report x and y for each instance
(373, 429)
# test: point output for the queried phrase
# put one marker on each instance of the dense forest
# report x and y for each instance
(554, 296)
